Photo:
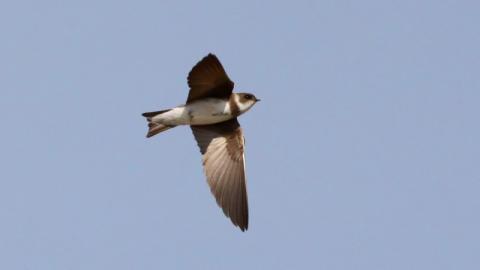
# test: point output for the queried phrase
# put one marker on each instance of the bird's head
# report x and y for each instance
(245, 101)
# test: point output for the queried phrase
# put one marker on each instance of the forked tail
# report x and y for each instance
(153, 127)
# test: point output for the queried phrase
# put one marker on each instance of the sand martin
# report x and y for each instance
(211, 111)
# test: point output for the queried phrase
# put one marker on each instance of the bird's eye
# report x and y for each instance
(248, 96)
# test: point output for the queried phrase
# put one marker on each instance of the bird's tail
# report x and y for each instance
(153, 127)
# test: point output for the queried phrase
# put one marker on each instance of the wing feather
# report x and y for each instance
(222, 146)
(208, 79)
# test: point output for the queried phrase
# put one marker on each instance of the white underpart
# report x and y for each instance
(202, 112)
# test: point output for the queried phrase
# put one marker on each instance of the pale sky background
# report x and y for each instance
(363, 154)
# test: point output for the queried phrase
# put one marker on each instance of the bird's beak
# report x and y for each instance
(257, 100)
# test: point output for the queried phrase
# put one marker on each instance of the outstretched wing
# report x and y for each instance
(208, 79)
(222, 146)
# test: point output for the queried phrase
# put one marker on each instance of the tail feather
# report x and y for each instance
(152, 114)
(155, 128)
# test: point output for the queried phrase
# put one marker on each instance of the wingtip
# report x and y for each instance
(243, 226)
(211, 55)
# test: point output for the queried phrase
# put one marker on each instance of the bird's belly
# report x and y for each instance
(207, 119)
(208, 111)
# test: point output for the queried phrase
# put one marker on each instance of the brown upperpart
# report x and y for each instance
(233, 105)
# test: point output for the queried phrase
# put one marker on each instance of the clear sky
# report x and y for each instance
(363, 154)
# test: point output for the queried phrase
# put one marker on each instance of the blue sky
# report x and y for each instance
(363, 153)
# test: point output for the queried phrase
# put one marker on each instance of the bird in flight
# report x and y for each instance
(211, 111)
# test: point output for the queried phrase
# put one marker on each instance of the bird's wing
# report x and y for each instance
(208, 79)
(222, 146)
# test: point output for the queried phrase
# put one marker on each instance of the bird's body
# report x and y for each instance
(203, 112)
(212, 110)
